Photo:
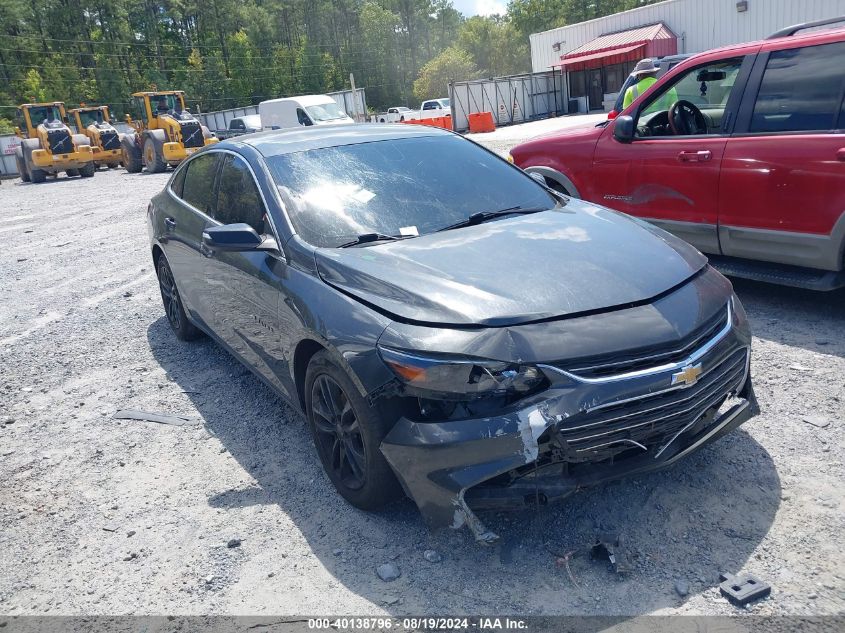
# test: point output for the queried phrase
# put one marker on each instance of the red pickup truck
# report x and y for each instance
(748, 164)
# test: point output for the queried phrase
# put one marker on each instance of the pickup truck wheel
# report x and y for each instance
(131, 155)
(152, 157)
(347, 433)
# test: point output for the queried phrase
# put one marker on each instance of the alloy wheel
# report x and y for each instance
(169, 294)
(338, 432)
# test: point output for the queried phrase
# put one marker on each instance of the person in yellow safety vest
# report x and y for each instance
(646, 73)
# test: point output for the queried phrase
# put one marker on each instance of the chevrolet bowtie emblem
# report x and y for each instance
(688, 375)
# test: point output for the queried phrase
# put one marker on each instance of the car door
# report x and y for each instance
(189, 211)
(672, 179)
(247, 286)
(782, 191)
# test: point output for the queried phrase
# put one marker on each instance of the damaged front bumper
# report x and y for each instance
(577, 433)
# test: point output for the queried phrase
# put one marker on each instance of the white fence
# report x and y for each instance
(220, 120)
(513, 99)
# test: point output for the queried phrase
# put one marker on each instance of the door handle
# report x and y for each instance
(169, 224)
(695, 157)
(840, 154)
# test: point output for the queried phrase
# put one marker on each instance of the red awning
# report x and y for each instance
(654, 40)
(604, 58)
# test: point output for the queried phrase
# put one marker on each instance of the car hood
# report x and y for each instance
(580, 258)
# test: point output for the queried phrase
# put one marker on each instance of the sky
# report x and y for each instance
(480, 7)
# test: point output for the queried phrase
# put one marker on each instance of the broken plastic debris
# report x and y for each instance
(159, 418)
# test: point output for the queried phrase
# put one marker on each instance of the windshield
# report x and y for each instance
(166, 103)
(325, 112)
(409, 186)
(91, 116)
(39, 114)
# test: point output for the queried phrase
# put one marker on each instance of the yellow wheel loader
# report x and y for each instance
(95, 123)
(165, 132)
(48, 145)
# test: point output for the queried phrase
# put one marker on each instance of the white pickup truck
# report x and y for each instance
(397, 115)
(433, 108)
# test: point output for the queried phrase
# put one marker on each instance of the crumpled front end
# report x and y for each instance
(595, 419)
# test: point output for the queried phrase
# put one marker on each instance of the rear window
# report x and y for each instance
(801, 90)
(398, 186)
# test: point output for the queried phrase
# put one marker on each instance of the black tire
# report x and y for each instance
(88, 170)
(173, 308)
(131, 154)
(37, 175)
(72, 172)
(21, 165)
(153, 158)
(347, 431)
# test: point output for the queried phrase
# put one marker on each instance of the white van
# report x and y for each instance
(300, 111)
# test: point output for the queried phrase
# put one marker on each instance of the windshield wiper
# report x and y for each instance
(483, 216)
(371, 238)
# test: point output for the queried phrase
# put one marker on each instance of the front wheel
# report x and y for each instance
(72, 172)
(152, 157)
(347, 433)
(21, 164)
(131, 155)
(179, 323)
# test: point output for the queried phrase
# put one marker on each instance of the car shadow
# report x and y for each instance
(704, 516)
(812, 320)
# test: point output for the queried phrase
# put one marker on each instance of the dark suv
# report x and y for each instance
(747, 164)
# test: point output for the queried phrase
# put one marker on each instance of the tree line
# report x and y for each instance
(230, 53)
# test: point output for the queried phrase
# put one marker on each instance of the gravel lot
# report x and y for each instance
(105, 516)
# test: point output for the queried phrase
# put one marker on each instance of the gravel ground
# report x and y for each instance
(232, 514)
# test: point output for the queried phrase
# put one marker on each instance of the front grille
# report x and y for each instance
(615, 363)
(192, 135)
(652, 420)
(60, 142)
(109, 140)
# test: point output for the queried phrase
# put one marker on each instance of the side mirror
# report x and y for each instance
(623, 129)
(538, 177)
(236, 237)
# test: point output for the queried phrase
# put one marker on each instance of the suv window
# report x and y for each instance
(198, 188)
(238, 199)
(707, 87)
(801, 90)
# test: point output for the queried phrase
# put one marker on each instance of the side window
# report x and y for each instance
(238, 199)
(198, 187)
(801, 90)
(302, 117)
(178, 181)
(702, 94)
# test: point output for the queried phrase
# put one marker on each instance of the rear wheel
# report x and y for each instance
(152, 157)
(131, 154)
(179, 323)
(87, 170)
(347, 433)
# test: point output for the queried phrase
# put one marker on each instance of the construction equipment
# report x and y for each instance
(95, 123)
(165, 132)
(48, 145)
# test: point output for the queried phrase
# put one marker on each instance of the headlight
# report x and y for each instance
(510, 158)
(463, 377)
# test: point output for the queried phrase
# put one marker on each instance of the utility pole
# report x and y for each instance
(354, 98)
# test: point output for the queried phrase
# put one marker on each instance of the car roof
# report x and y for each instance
(303, 100)
(276, 142)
